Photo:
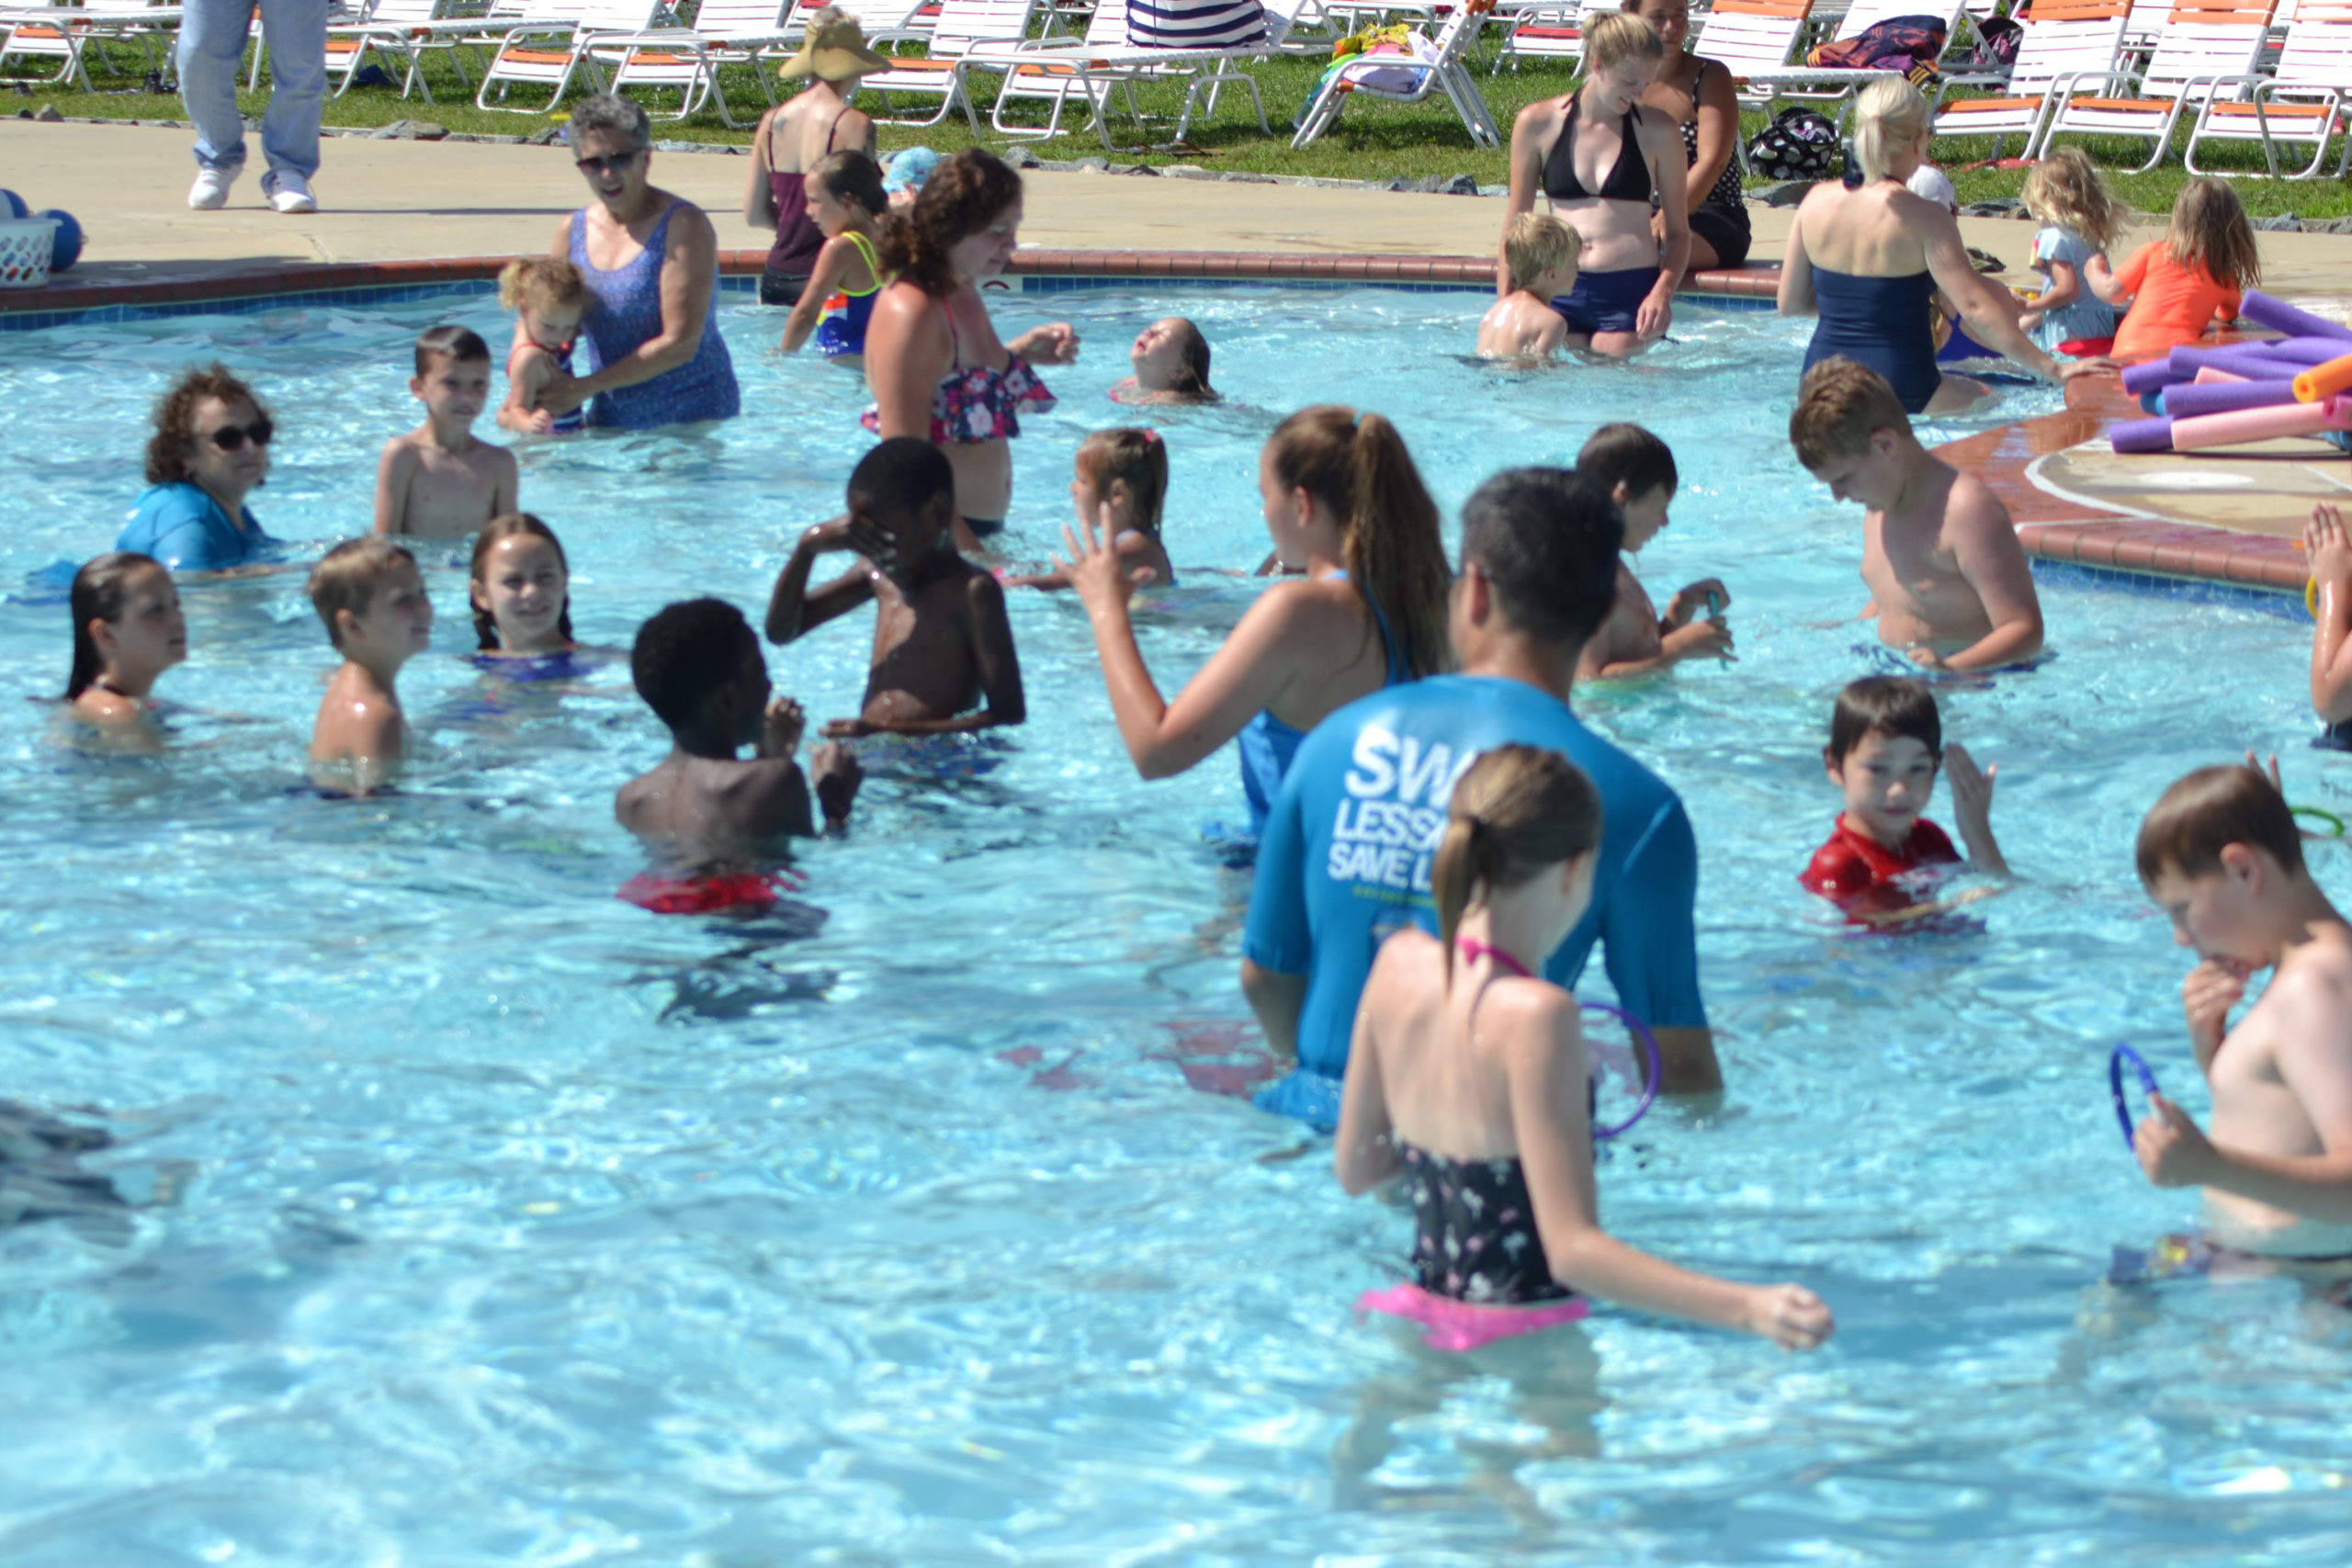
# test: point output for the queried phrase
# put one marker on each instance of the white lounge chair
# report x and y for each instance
(2308, 97)
(961, 24)
(2204, 48)
(725, 32)
(1540, 29)
(1749, 37)
(1812, 84)
(2065, 40)
(550, 48)
(1091, 67)
(1447, 74)
(402, 31)
(65, 33)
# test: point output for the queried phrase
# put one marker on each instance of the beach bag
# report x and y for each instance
(1997, 38)
(1909, 44)
(1798, 145)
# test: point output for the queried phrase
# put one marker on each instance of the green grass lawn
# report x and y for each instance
(1372, 142)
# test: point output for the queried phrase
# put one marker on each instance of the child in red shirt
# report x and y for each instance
(2194, 275)
(1885, 745)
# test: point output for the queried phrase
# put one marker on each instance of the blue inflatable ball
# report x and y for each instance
(65, 247)
(14, 204)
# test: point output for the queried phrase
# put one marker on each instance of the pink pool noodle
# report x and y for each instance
(2242, 425)
(2141, 435)
(2151, 377)
(2208, 377)
(2193, 401)
(2281, 317)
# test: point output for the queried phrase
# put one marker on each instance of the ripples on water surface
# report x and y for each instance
(519, 1226)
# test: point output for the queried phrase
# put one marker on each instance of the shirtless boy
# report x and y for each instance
(2221, 856)
(1637, 469)
(697, 665)
(1949, 583)
(376, 614)
(438, 482)
(942, 644)
(1540, 253)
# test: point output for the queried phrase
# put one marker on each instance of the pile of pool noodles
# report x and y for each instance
(2297, 385)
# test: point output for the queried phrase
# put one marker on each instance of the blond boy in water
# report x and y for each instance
(1540, 252)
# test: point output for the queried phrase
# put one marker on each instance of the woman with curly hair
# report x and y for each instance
(210, 451)
(934, 361)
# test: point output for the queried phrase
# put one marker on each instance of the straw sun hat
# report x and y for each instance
(834, 50)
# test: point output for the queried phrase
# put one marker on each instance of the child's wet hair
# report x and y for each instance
(2209, 232)
(1627, 455)
(2211, 808)
(1839, 404)
(2066, 190)
(1358, 466)
(1546, 541)
(1132, 456)
(523, 525)
(347, 576)
(462, 344)
(850, 176)
(687, 652)
(539, 283)
(1518, 811)
(901, 476)
(1537, 244)
(99, 592)
(1190, 378)
(167, 449)
(1889, 706)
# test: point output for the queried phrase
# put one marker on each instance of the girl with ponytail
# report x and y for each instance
(1467, 1075)
(1347, 507)
(127, 629)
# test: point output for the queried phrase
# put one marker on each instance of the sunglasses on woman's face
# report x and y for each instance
(230, 437)
(617, 162)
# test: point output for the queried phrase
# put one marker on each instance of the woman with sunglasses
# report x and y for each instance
(651, 260)
(210, 450)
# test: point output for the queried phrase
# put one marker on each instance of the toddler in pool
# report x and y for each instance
(1171, 358)
(697, 665)
(440, 481)
(520, 588)
(1120, 482)
(942, 643)
(1637, 469)
(548, 297)
(1541, 252)
(1885, 748)
(373, 601)
(127, 629)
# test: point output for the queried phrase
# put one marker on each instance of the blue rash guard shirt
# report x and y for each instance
(181, 525)
(1347, 851)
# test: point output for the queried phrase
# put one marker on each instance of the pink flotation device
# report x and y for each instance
(1449, 1325)
(2242, 425)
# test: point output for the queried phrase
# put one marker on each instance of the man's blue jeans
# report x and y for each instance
(211, 57)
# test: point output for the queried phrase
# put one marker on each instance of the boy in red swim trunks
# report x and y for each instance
(1885, 748)
(704, 810)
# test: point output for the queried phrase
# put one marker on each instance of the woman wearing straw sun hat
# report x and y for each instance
(793, 137)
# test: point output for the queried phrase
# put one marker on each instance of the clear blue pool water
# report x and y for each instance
(515, 1226)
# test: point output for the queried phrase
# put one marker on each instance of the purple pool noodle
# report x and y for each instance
(2141, 435)
(2152, 375)
(2305, 351)
(2248, 360)
(2221, 397)
(2281, 317)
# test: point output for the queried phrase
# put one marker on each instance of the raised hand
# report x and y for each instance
(1706, 597)
(786, 722)
(2327, 546)
(2207, 995)
(1094, 569)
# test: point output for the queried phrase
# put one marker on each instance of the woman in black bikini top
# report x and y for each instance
(1628, 178)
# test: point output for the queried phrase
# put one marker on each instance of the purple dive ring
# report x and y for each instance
(1640, 1032)
(2115, 1085)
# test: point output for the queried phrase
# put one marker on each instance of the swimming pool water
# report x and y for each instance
(511, 1224)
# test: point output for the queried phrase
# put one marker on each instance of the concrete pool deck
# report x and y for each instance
(419, 212)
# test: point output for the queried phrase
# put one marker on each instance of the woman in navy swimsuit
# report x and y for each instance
(1600, 156)
(1868, 262)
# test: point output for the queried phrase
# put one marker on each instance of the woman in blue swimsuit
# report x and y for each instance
(1346, 506)
(651, 260)
(1599, 156)
(1868, 260)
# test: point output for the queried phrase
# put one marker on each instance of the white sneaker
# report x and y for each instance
(288, 192)
(211, 189)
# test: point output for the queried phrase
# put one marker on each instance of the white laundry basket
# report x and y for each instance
(23, 251)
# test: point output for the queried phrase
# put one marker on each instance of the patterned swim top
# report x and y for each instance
(977, 403)
(1475, 1239)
